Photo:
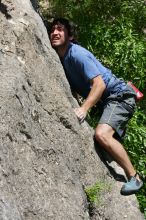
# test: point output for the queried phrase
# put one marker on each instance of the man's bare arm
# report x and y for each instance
(98, 87)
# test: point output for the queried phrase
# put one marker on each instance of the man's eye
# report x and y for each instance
(60, 28)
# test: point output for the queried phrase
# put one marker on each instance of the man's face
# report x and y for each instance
(59, 36)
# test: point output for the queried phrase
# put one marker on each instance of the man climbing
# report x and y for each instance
(96, 84)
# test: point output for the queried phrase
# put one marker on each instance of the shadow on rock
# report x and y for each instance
(107, 159)
(4, 10)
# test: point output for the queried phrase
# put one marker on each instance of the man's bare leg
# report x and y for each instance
(104, 136)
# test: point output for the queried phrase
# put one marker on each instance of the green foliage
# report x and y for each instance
(136, 146)
(136, 141)
(94, 192)
(114, 31)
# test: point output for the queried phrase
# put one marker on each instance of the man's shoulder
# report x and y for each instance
(78, 51)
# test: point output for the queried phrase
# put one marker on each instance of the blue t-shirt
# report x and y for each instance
(81, 66)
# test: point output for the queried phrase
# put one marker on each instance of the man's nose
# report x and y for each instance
(55, 31)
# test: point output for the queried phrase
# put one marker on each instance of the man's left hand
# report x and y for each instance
(80, 113)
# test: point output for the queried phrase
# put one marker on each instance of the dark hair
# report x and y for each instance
(69, 25)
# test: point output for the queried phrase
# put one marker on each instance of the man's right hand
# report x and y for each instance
(80, 113)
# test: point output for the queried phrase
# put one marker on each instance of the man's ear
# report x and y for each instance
(71, 38)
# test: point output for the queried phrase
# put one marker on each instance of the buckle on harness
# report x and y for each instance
(139, 95)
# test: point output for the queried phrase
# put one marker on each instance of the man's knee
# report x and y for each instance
(102, 135)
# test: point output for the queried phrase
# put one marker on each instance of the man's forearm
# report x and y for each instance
(95, 94)
(98, 87)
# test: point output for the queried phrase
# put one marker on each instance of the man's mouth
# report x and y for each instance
(55, 39)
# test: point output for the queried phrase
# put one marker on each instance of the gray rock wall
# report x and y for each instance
(47, 158)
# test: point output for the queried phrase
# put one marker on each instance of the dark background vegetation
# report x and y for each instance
(115, 31)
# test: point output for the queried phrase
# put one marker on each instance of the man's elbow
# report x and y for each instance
(99, 83)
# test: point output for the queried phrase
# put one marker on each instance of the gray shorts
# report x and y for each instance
(118, 109)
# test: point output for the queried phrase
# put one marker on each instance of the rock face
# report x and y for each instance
(47, 158)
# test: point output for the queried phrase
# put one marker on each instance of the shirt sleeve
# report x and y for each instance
(86, 66)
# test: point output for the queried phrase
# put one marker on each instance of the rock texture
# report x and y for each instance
(47, 158)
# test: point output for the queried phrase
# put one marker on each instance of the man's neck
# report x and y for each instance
(62, 50)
